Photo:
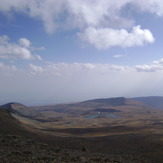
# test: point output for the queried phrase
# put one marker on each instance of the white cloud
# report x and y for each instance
(63, 69)
(62, 82)
(104, 38)
(81, 13)
(4, 39)
(148, 68)
(74, 13)
(160, 62)
(97, 13)
(92, 17)
(22, 49)
(156, 66)
(6, 68)
(25, 42)
(118, 56)
(36, 69)
(152, 6)
(38, 57)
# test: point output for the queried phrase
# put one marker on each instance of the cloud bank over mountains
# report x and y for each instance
(63, 82)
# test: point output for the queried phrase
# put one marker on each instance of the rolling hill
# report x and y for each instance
(152, 102)
(11, 125)
(68, 119)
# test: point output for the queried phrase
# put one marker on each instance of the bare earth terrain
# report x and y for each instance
(114, 130)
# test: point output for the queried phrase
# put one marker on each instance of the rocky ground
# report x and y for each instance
(17, 149)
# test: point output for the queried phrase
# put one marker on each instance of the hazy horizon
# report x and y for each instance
(51, 103)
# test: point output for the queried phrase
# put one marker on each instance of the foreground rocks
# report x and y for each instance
(17, 149)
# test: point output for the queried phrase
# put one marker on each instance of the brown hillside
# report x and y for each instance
(10, 125)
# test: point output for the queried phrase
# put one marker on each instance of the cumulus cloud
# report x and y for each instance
(63, 69)
(104, 38)
(74, 13)
(92, 17)
(159, 62)
(152, 6)
(82, 12)
(147, 68)
(156, 66)
(22, 49)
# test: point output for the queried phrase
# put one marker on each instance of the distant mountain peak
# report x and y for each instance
(116, 101)
(11, 106)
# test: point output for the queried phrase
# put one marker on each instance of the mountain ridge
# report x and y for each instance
(152, 101)
(148, 101)
(71, 115)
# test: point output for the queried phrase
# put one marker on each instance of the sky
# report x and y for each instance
(73, 50)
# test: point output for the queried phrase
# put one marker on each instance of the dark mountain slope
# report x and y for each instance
(13, 107)
(152, 101)
(21, 110)
(12, 104)
(10, 125)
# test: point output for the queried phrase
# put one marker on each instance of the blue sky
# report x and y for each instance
(71, 50)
